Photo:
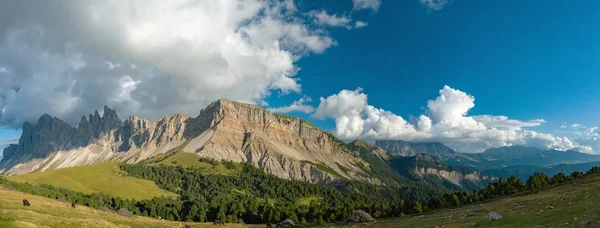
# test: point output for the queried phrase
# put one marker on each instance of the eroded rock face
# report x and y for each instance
(287, 147)
(225, 130)
(52, 143)
(455, 177)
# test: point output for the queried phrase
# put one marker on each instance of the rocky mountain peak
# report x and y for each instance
(110, 120)
(83, 121)
(51, 134)
(45, 119)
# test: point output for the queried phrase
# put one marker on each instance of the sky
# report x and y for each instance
(470, 74)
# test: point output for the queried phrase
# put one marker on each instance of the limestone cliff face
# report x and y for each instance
(408, 149)
(455, 177)
(52, 143)
(225, 130)
(284, 146)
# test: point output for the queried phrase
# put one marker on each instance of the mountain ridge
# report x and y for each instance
(407, 149)
(288, 147)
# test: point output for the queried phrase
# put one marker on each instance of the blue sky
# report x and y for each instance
(522, 59)
(525, 60)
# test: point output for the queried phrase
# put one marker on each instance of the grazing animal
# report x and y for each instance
(218, 222)
(73, 205)
(26, 203)
(269, 225)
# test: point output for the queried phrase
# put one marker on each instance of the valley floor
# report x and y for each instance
(575, 204)
(45, 212)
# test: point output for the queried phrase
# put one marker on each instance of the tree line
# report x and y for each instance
(506, 187)
(257, 197)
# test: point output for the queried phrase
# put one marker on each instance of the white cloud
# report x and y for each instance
(366, 4)
(356, 119)
(149, 58)
(504, 123)
(563, 125)
(445, 120)
(577, 126)
(322, 18)
(341, 104)
(5, 142)
(435, 4)
(360, 24)
(296, 106)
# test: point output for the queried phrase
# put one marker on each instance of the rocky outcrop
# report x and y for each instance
(225, 130)
(453, 176)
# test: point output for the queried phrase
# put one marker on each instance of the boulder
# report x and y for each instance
(63, 200)
(287, 222)
(124, 212)
(495, 216)
(360, 217)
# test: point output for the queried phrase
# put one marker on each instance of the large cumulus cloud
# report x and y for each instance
(150, 58)
(445, 120)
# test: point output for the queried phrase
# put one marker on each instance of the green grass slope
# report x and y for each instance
(574, 204)
(187, 160)
(191, 160)
(46, 212)
(104, 178)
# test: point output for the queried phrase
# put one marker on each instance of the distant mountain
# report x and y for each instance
(406, 149)
(497, 158)
(524, 172)
(502, 162)
(420, 169)
(287, 147)
(379, 164)
(431, 170)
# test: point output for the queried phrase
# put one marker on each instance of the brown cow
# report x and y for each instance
(218, 222)
(73, 205)
(26, 203)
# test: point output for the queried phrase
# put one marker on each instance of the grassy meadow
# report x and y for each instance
(574, 204)
(98, 178)
(45, 212)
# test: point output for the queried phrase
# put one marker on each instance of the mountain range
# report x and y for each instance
(500, 162)
(285, 146)
(225, 130)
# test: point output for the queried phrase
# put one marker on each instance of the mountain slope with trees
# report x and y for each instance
(419, 169)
